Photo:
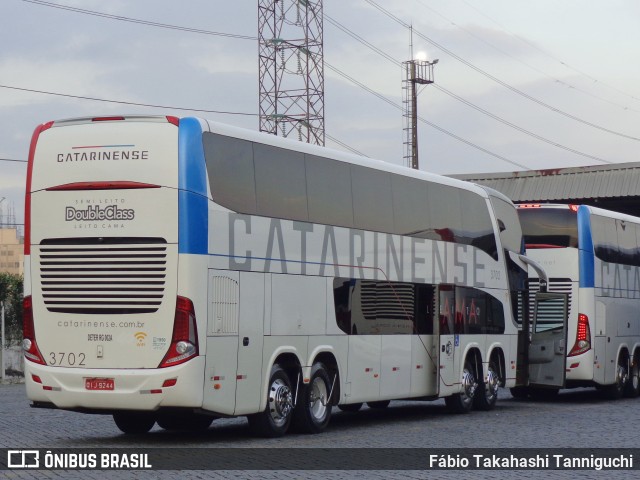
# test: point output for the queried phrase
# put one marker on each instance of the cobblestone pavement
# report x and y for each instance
(576, 419)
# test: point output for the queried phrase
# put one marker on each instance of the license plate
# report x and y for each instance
(99, 383)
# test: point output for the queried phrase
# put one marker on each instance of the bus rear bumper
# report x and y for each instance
(580, 367)
(133, 389)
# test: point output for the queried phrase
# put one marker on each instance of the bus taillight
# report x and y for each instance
(583, 336)
(29, 345)
(27, 199)
(184, 342)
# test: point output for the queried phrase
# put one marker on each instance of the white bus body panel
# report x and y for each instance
(67, 224)
(136, 389)
(564, 263)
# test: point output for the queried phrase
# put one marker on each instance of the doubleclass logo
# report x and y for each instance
(97, 213)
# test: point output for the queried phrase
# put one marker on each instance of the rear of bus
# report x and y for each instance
(553, 239)
(107, 326)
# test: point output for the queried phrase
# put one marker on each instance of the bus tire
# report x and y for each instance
(274, 421)
(379, 405)
(463, 402)
(313, 410)
(487, 393)
(350, 407)
(617, 389)
(134, 423)
(632, 388)
(184, 421)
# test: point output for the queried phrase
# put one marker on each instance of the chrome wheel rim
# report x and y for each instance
(491, 387)
(280, 402)
(469, 386)
(318, 399)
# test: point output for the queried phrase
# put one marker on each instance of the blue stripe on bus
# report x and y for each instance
(586, 253)
(193, 219)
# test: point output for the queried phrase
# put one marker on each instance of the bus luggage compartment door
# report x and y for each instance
(548, 347)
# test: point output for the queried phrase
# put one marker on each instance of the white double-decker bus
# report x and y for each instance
(179, 270)
(593, 255)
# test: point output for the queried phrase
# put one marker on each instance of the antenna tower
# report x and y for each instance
(291, 69)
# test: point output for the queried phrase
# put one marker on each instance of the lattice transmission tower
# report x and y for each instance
(291, 73)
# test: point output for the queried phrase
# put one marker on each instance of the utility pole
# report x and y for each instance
(2, 212)
(2, 350)
(416, 72)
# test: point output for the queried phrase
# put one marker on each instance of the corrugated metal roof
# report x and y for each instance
(610, 181)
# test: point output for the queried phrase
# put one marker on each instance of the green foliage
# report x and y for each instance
(11, 293)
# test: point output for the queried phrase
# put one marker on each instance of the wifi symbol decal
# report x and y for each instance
(140, 338)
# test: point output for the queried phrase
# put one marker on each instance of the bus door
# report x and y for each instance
(250, 341)
(235, 326)
(449, 342)
(548, 346)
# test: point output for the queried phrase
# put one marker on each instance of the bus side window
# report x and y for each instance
(425, 308)
(447, 309)
(341, 293)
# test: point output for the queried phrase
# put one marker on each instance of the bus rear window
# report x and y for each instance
(549, 227)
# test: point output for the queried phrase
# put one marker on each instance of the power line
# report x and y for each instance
(12, 160)
(344, 29)
(137, 20)
(154, 106)
(144, 22)
(344, 145)
(520, 129)
(541, 72)
(468, 103)
(423, 120)
(544, 52)
(95, 99)
(496, 79)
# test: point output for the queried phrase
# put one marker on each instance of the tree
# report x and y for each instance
(11, 293)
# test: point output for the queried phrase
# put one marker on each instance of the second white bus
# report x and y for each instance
(593, 255)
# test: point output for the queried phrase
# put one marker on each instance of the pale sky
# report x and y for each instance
(545, 84)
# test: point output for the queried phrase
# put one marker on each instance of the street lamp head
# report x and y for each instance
(421, 56)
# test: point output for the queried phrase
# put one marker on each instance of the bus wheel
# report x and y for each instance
(350, 407)
(134, 422)
(632, 388)
(274, 421)
(184, 421)
(313, 411)
(463, 402)
(379, 405)
(616, 390)
(487, 393)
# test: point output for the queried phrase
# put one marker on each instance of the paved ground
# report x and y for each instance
(576, 419)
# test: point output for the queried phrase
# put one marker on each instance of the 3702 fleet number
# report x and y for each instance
(64, 359)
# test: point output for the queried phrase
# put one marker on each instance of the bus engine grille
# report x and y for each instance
(103, 275)
(559, 285)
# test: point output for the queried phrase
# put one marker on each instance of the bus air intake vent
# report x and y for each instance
(103, 275)
(557, 285)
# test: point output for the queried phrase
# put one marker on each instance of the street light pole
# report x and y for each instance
(416, 72)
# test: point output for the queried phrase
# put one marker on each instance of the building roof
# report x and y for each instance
(562, 184)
